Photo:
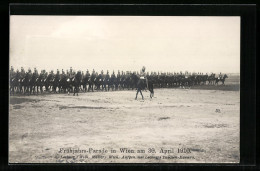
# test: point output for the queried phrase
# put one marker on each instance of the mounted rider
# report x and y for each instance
(29, 73)
(143, 76)
(87, 74)
(220, 76)
(71, 73)
(57, 76)
(35, 73)
(107, 76)
(12, 73)
(22, 75)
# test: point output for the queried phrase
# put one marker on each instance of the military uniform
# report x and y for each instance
(12, 73)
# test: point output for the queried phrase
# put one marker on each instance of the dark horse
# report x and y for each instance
(141, 84)
(221, 79)
(75, 83)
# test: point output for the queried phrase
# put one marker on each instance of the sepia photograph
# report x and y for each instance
(124, 89)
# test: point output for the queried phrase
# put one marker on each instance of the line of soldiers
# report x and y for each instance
(71, 73)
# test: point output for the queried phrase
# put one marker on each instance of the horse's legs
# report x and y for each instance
(142, 94)
(136, 94)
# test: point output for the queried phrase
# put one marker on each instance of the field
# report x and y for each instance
(202, 122)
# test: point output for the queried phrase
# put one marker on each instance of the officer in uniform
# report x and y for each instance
(41, 76)
(57, 76)
(12, 73)
(71, 72)
(87, 74)
(36, 72)
(118, 74)
(45, 74)
(107, 80)
(143, 76)
(29, 73)
(22, 73)
(220, 75)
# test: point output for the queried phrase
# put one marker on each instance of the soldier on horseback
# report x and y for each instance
(71, 72)
(141, 82)
(92, 80)
(36, 72)
(220, 76)
(22, 75)
(107, 81)
(12, 73)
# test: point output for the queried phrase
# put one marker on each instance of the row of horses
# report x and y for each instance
(32, 84)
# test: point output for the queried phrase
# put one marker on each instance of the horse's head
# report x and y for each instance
(225, 76)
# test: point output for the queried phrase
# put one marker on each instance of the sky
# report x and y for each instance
(160, 43)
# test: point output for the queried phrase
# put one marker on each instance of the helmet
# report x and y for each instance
(143, 69)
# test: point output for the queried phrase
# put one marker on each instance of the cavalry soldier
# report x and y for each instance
(107, 78)
(71, 72)
(118, 74)
(220, 75)
(57, 76)
(142, 73)
(113, 74)
(12, 73)
(22, 73)
(41, 76)
(87, 75)
(118, 77)
(45, 74)
(102, 75)
(52, 73)
(82, 75)
(143, 76)
(62, 74)
(29, 73)
(36, 72)
(93, 75)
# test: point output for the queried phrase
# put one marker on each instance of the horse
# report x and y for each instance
(39, 83)
(32, 83)
(141, 85)
(24, 84)
(211, 79)
(85, 81)
(91, 82)
(106, 83)
(187, 81)
(75, 83)
(55, 84)
(14, 83)
(221, 79)
(113, 82)
(48, 82)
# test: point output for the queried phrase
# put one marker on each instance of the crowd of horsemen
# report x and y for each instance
(34, 82)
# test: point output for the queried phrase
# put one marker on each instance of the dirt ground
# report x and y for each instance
(203, 123)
